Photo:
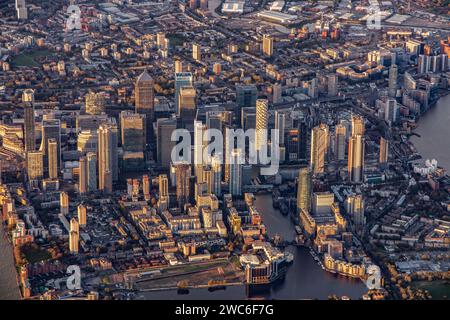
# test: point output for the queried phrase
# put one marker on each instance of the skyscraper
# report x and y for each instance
(87, 141)
(393, 75)
(216, 165)
(91, 171)
(182, 79)
(356, 150)
(235, 182)
(332, 84)
(64, 202)
(83, 175)
(276, 93)
(340, 135)
(319, 147)
(178, 66)
(267, 45)
(280, 125)
(355, 209)
(74, 236)
(95, 103)
(163, 185)
(51, 129)
(21, 10)
(196, 52)
(133, 131)
(35, 165)
(144, 96)
(199, 145)
(29, 125)
(183, 175)
(107, 156)
(164, 145)
(262, 118)
(82, 215)
(304, 190)
(187, 105)
(246, 96)
(53, 168)
(384, 150)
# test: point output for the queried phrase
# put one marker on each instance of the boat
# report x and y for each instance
(298, 230)
(289, 257)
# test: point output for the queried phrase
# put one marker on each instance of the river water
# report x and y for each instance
(305, 279)
(434, 131)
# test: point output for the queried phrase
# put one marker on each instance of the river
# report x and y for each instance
(434, 130)
(305, 279)
(9, 289)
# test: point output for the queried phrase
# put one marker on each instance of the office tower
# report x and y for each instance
(53, 167)
(248, 118)
(267, 45)
(409, 83)
(340, 136)
(355, 209)
(208, 179)
(280, 125)
(302, 139)
(83, 175)
(107, 156)
(276, 93)
(199, 146)
(319, 147)
(384, 150)
(262, 118)
(214, 120)
(35, 165)
(216, 165)
(146, 187)
(187, 105)
(178, 66)
(196, 52)
(21, 10)
(358, 126)
(51, 129)
(163, 185)
(64, 202)
(133, 131)
(94, 103)
(356, 150)
(313, 88)
(87, 141)
(74, 236)
(183, 175)
(304, 190)
(322, 202)
(393, 75)
(144, 98)
(391, 111)
(332, 84)
(235, 183)
(82, 215)
(182, 79)
(246, 96)
(164, 145)
(91, 158)
(29, 125)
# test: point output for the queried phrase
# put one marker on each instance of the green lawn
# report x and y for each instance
(26, 59)
(33, 254)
